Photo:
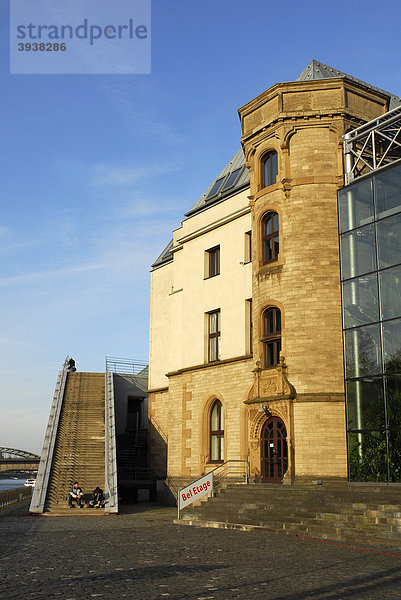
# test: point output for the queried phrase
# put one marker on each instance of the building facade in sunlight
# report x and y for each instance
(246, 356)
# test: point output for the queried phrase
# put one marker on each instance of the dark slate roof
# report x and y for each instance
(242, 181)
(318, 70)
(165, 257)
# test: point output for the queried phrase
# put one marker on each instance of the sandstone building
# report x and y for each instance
(246, 356)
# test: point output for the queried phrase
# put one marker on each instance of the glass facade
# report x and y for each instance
(370, 253)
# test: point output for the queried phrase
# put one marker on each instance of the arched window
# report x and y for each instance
(270, 237)
(271, 337)
(269, 169)
(217, 432)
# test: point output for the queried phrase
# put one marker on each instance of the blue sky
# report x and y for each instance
(97, 170)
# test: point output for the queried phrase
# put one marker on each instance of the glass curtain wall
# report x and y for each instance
(370, 251)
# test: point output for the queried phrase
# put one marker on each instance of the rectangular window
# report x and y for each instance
(271, 336)
(270, 237)
(272, 353)
(248, 327)
(212, 262)
(248, 247)
(214, 336)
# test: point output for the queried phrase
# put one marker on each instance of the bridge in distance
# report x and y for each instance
(12, 460)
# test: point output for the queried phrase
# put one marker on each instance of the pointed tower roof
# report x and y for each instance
(318, 70)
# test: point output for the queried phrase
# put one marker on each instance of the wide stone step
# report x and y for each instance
(259, 518)
(341, 512)
(310, 530)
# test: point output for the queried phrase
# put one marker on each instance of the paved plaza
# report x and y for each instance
(142, 555)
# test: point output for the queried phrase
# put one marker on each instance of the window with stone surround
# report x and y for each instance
(217, 432)
(269, 169)
(271, 336)
(270, 238)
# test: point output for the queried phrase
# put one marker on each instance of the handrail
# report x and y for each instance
(111, 482)
(8, 497)
(166, 478)
(227, 469)
(125, 366)
(158, 428)
(46, 460)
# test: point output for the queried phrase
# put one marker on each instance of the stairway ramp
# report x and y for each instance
(74, 448)
(343, 512)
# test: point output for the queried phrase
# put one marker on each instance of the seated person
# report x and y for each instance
(75, 495)
(98, 500)
(71, 365)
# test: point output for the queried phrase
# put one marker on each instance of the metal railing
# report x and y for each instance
(42, 478)
(126, 366)
(111, 482)
(163, 476)
(9, 497)
(152, 420)
(234, 470)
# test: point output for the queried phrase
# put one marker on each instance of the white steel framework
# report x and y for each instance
(373, 145)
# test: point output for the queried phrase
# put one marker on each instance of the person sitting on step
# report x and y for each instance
(71, 365)
(98, 500)
(75, 495)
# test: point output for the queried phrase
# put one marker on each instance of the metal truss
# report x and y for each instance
(373, 145)
(19, 453)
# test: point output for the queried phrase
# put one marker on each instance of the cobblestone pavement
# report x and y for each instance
(144, 556)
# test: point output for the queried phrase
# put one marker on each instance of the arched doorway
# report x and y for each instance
(274, 451)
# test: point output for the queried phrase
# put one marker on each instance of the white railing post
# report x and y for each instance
(111, 483)
(46, 459)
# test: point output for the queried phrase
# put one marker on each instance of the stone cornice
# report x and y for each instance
(306, 86)
(314, 397)
(158, 390)
(210, 226)
(211, 365)
(321, 397)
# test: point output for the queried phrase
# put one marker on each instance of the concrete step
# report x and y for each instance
(341, 512)
(65, 511)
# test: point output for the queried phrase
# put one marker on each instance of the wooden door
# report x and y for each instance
(274, 451)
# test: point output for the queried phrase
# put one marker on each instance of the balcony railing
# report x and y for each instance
(125, 366)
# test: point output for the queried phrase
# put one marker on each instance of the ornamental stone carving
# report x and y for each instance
(271, 384)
